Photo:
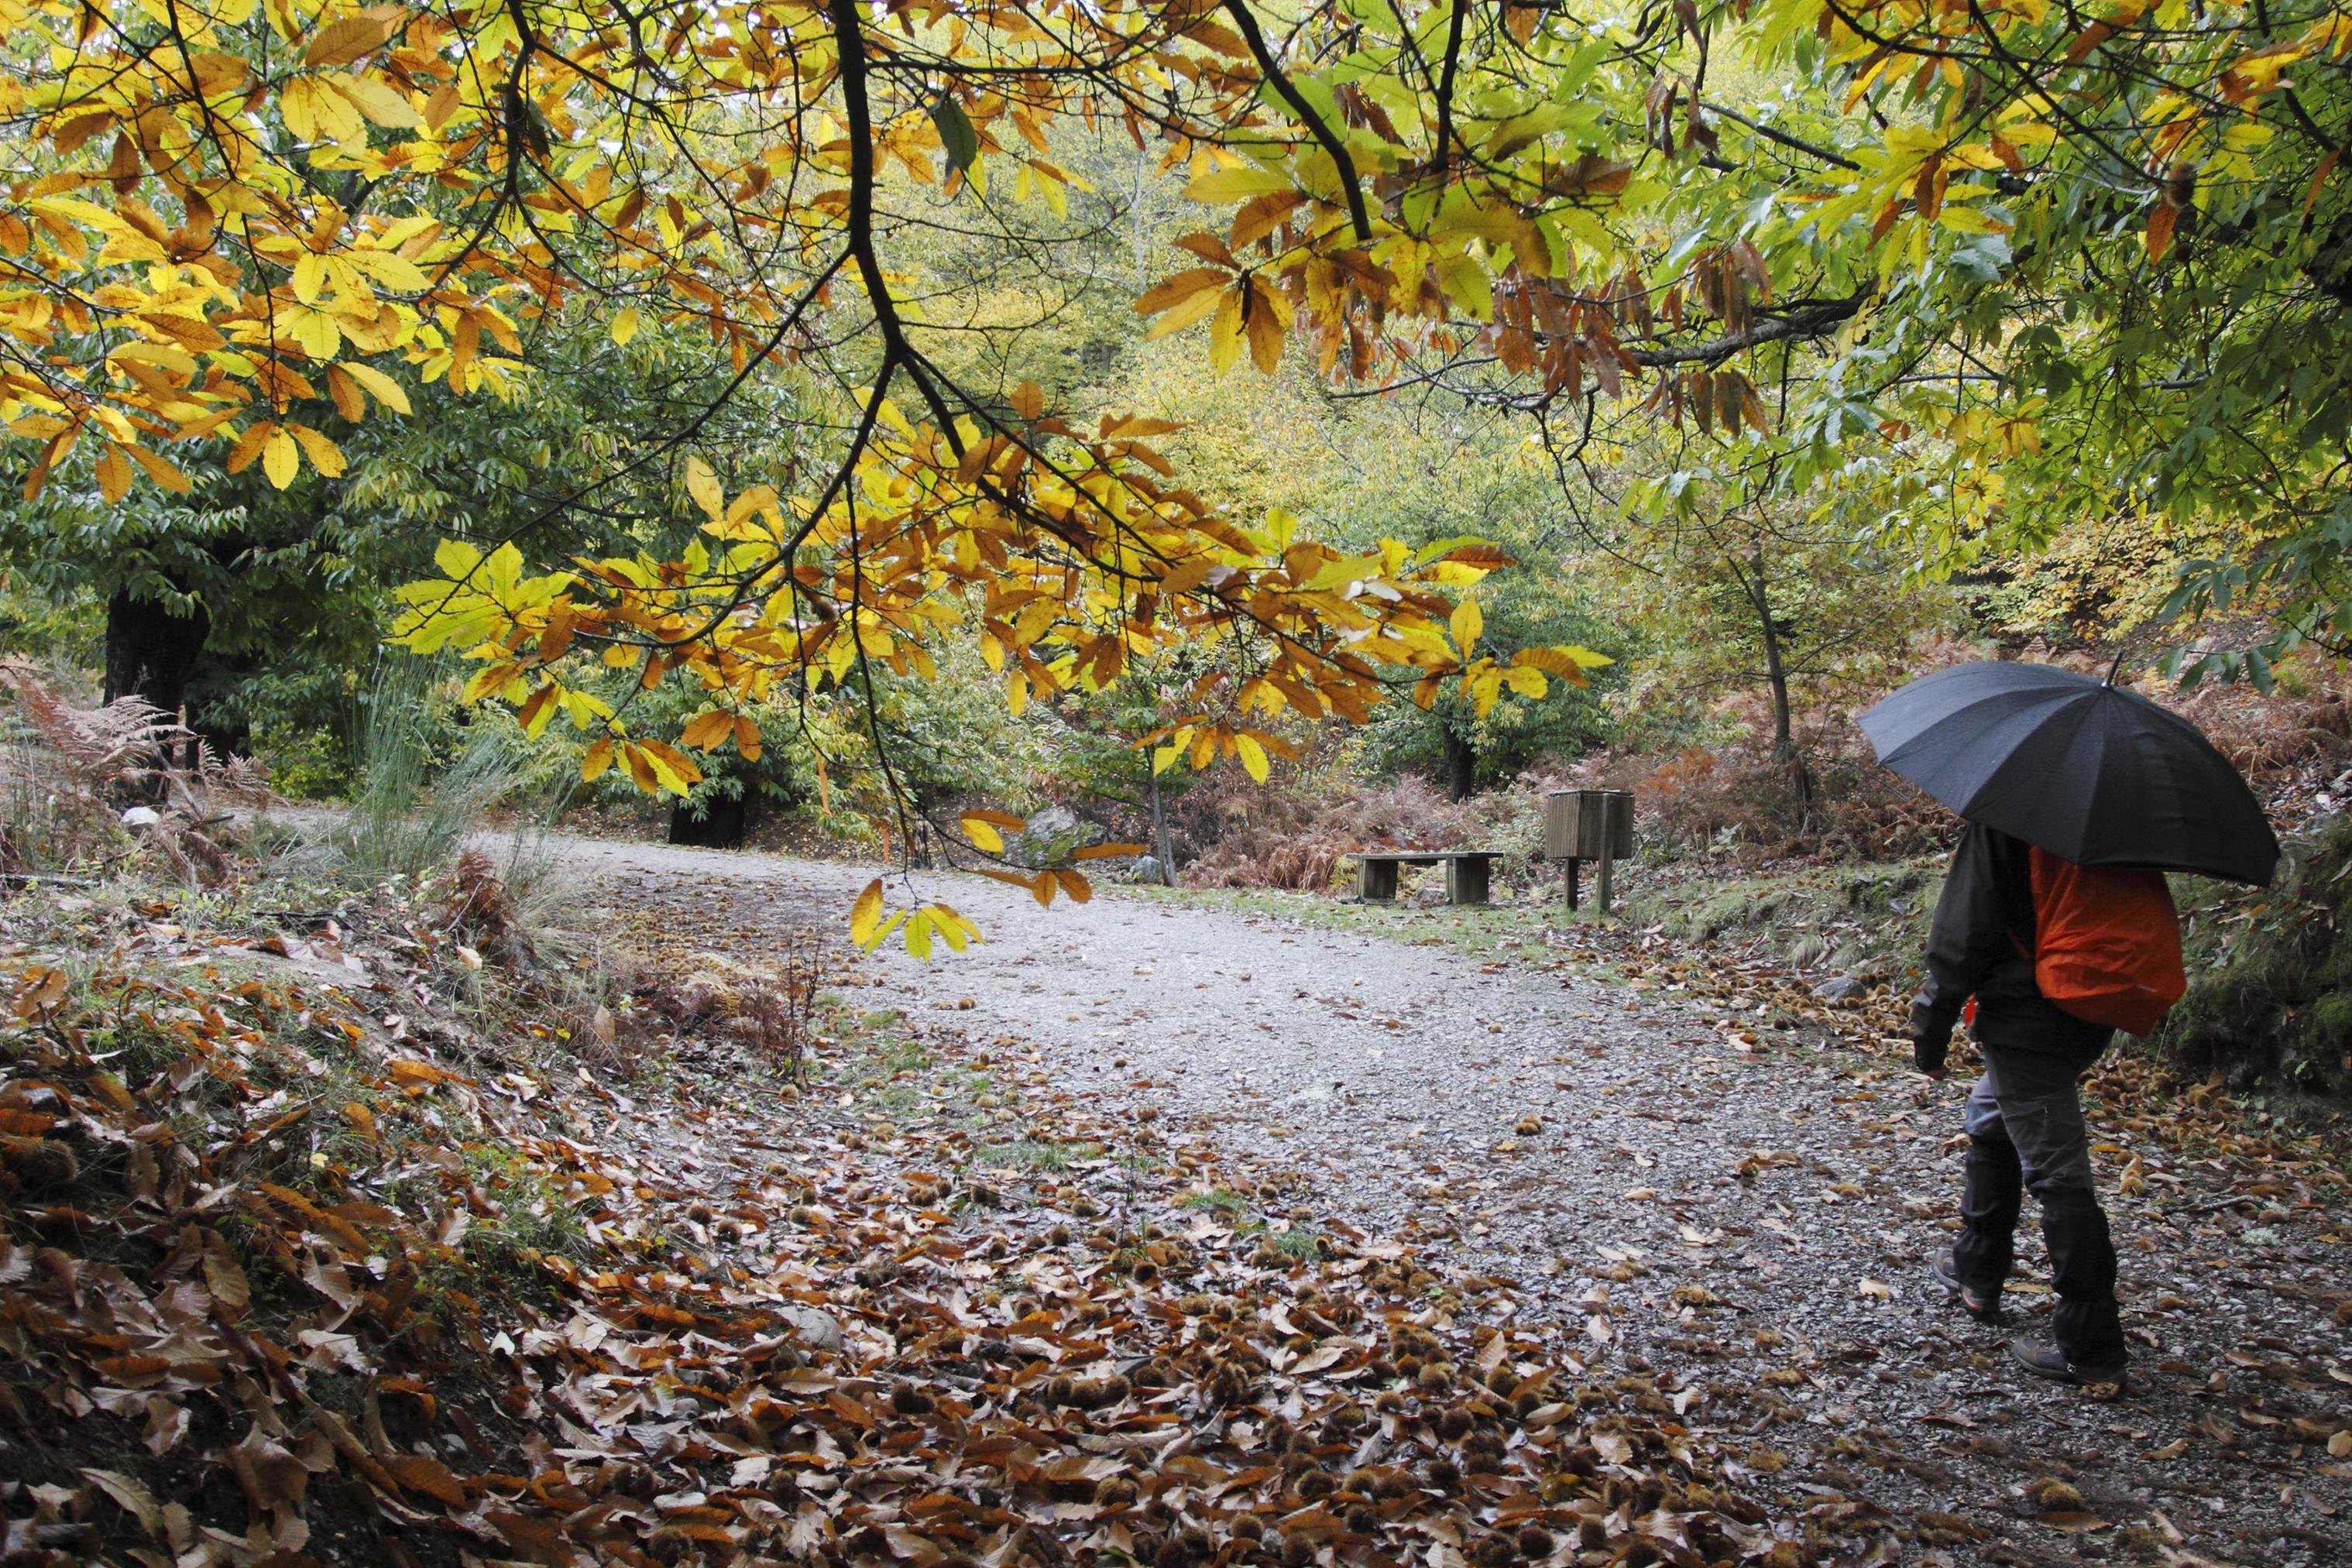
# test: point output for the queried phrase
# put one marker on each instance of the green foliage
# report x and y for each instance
(1521, 610)
(1421, 469)
(65, 629)
(2270, 971)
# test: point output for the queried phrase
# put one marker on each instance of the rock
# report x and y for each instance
(1051, 837)
(1145, 868)
(141, 816)
(1837, 988)
(816, 1331)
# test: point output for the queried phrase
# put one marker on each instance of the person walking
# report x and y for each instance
(2024, 1117)
(2079, 794)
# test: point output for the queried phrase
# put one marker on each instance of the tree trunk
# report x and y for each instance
(1461, 766)
(152, 652)
(720, 826)
(1776, 678)
(1160, 837)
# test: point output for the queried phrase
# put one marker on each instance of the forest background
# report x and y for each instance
(1763, 374)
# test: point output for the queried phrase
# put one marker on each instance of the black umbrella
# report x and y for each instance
(2088, 771)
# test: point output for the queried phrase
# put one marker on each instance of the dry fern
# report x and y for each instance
(70, 771)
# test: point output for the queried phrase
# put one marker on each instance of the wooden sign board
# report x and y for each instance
(1588, 825)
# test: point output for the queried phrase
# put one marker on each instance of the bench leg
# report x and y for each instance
(1376, 882)
(1466, 881)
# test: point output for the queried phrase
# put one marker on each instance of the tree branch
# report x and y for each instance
(1782, 137)
(1445, 86)
(1325, 137)
(851, 39)
(1805, 321)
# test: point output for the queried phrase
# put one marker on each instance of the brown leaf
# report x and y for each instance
(421, 1473)
(135, 1498)
(271, 1476)
(2074, 1521)
(225, 1278)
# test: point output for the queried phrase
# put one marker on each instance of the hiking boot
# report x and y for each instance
(2044, 1359)
(1973, 1303)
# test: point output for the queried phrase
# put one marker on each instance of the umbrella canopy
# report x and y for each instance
(2089, 771)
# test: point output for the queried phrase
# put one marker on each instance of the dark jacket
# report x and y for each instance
(1981, 945)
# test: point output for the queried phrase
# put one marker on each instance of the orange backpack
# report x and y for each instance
(2106, 943)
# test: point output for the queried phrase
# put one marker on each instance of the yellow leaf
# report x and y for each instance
(1264, 328)
(345, 39)
(247, 449)
(323, 454)
(1225, 332)
(625, 325)
(949, 924)
(1236, 184)
(163, 471)
(747, 739)
(1186, 285)
(1467, 623)
(379, 100)
(280, 458)
(866, 913)
(316, 112)
(113, 474)
(1564, 660)
(957, 928)
(1252, 756)
(703, 485)
(349, 402)
(659, 768)
(385, 390)
(1484, 688)
(536, 709)
(983, 834)
(1193, 309)
(706, 730)
(298, 104)
(595, 760)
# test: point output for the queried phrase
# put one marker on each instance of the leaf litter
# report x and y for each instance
(1734, 1195)
(337, 1238)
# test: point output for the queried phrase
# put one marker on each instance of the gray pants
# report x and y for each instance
(2026, 1133)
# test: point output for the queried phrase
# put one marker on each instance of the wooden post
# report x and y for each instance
(1159, 838)
(1465, 880)
(1582, 825)
(1616, 836)
(1376, 881)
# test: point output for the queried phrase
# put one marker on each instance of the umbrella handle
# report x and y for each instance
(2114, 667)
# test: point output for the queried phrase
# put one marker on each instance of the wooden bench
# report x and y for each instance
(1466, 873)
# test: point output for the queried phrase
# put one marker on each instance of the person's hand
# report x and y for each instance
(1927, 1055)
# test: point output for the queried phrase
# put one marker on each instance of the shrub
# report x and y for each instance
(2269, 972)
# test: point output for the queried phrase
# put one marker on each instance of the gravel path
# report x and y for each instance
(1753, 1225)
